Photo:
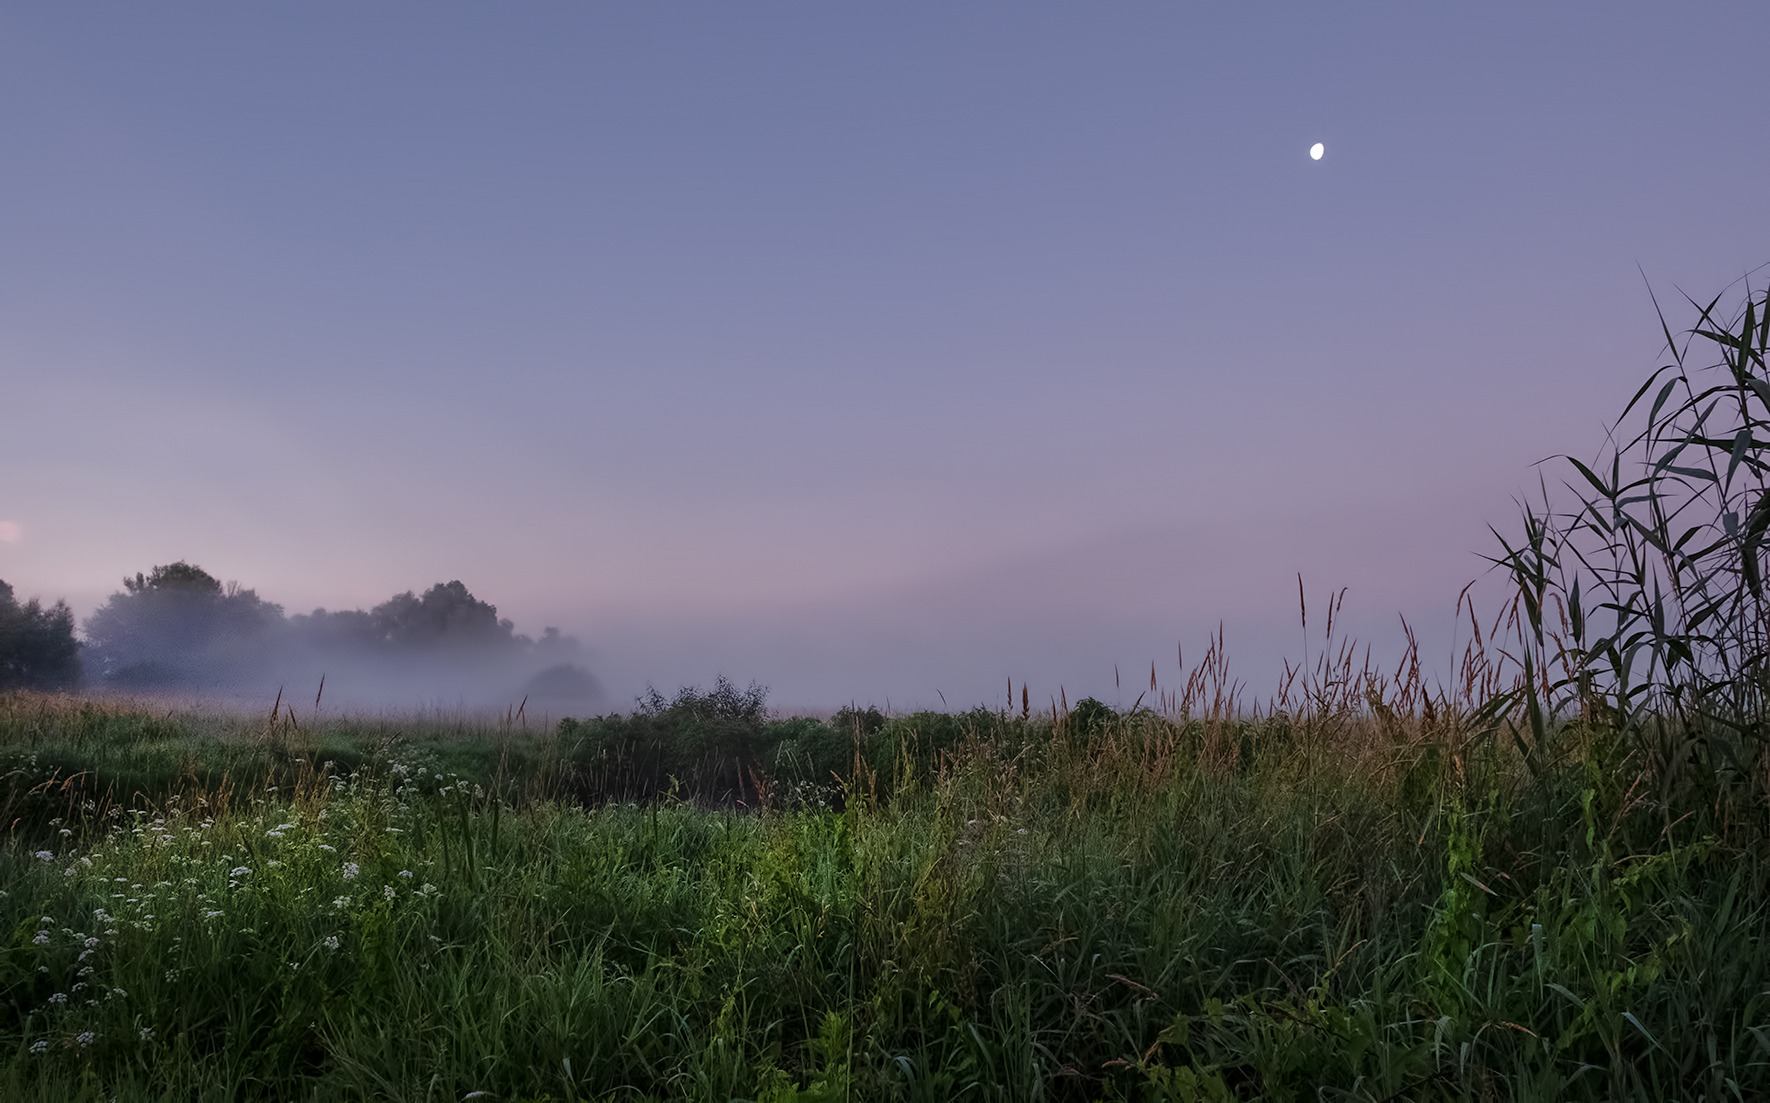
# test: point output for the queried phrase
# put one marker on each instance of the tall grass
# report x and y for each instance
(1365, 905)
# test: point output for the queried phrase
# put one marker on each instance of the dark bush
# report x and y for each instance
(37, 645)
(1090, 716)
(706, 745)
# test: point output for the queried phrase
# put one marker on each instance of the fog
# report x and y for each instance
(180, 630)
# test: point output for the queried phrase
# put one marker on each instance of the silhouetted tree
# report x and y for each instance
(37, 645)
(447, 614)
(178, 625)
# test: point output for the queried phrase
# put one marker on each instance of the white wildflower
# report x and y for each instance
(350, 871)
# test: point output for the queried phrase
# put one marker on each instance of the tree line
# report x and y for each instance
(179, 627)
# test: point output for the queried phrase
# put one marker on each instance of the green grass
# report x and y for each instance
(1148, 910)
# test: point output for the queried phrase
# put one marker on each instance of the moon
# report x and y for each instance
(1316, 150)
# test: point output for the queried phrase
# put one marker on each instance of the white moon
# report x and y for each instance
(1316, 150)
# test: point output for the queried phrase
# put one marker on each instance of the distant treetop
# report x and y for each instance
(174, 576)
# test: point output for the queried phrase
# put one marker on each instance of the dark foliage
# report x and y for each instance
(446, 614)
(1090, 716)
(720, 747)
(858, 721)
(708, 744)
(37, 645)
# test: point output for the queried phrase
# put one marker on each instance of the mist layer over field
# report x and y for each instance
(179, 630)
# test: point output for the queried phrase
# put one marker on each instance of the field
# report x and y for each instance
(1347, 903)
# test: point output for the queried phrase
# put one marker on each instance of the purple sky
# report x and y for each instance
(866, 353)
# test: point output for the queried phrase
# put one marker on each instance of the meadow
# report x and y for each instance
(1347, 902)
(1547, 879)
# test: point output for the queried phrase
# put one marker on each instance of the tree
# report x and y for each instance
(37, 645)
(447, 614)
(178, 625)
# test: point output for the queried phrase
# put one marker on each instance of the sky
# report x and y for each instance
(875, 353)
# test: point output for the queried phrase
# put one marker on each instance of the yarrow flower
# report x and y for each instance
(239, 871)
(85, 1039)
(387, 891)
(39, 1047)
(350, 871)
(147, 1033)
(405, 873)
(42, 938)
(46, 855)
(59, 997)
(331, 942)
